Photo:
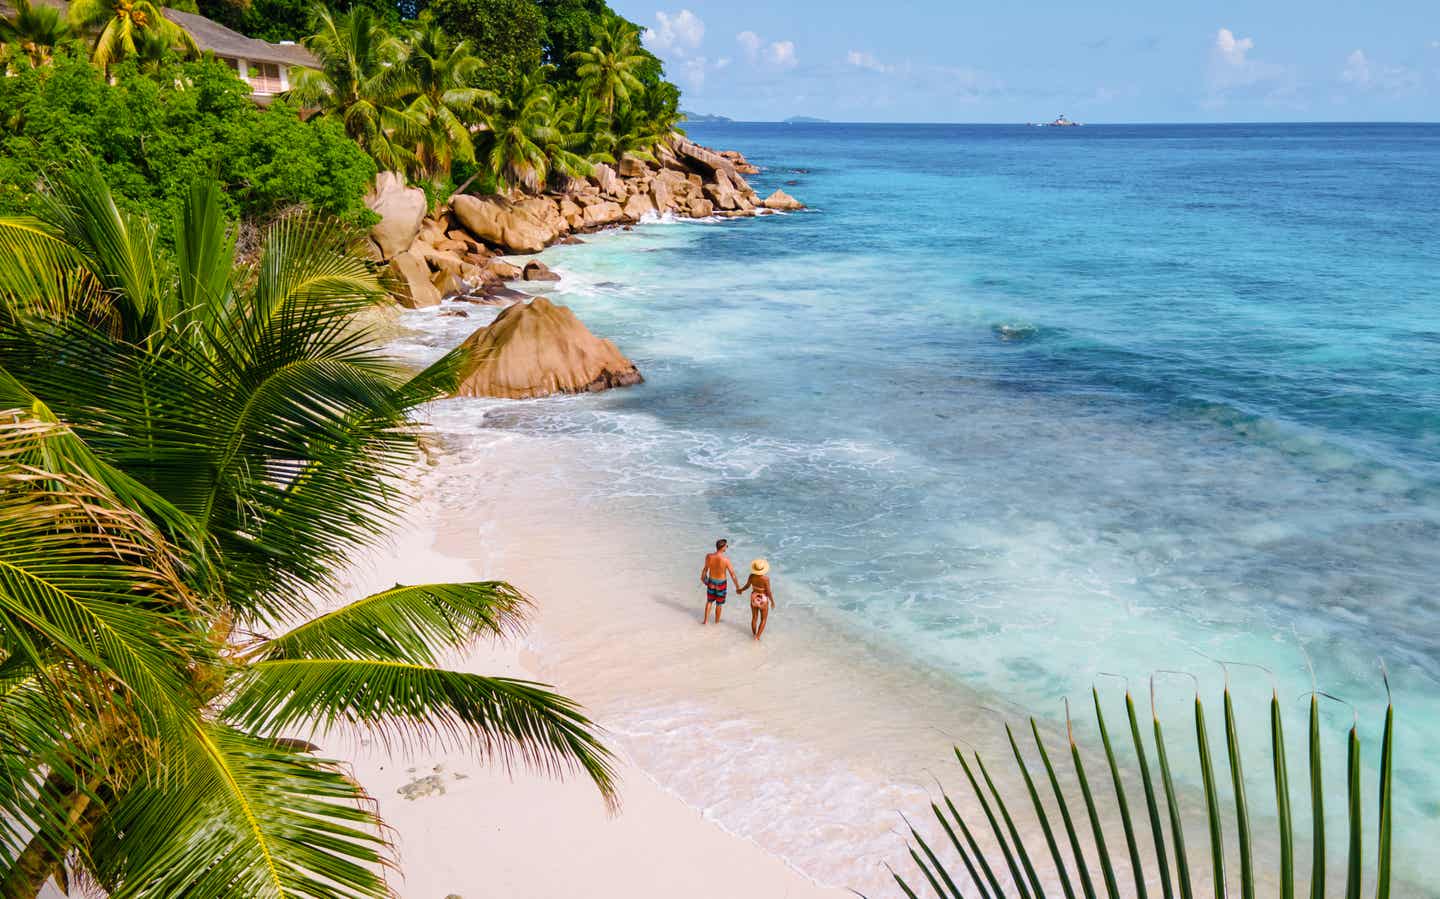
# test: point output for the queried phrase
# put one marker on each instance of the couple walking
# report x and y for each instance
(714, 574)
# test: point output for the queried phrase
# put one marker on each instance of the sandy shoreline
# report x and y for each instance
(469, 828)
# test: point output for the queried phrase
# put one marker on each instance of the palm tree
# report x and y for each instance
(440, 76)
(35, 31)
(228, 436)
(361, 82)
(120, 25)
(567, 143)
(988, 858)
(609, 65)
(630, 133)
(521, 127)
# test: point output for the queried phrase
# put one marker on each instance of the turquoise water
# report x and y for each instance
(1033, 404)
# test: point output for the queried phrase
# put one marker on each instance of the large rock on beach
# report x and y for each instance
(638, 205)
(537, 349)
(401, 210)
(602, 214)
(515, 227)
(412, 276)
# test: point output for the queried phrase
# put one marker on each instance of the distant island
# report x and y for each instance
(704, 117)
(806, 120)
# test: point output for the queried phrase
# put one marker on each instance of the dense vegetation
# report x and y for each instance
(189, 449)
(484, 94)
(156, 129)
(194, 432)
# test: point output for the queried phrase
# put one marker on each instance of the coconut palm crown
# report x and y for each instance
(120, 24)
(609, 66)
(33, 32)
(189, 451)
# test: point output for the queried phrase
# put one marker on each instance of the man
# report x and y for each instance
(712, 576)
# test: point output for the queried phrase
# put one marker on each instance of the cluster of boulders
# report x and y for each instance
(455, 252)
(538, 348)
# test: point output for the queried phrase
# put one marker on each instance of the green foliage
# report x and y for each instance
(508, 35)
(608, 68)
(154, 134)
(188, 450)
(361, 83)
(1151, 864)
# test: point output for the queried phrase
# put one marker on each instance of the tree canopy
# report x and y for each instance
(153, 134)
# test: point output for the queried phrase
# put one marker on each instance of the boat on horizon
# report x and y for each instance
(1060, 122)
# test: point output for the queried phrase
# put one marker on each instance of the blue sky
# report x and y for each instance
(1122, 61)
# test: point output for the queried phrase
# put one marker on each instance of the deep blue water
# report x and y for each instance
(1034, 404)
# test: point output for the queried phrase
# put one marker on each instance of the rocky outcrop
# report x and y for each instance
(780, 200)
(742, 165)
(537, 349)
(510, 226)
(401, 210)
(454, 248)
(414, 289)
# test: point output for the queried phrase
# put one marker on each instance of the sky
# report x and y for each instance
(1107, 61)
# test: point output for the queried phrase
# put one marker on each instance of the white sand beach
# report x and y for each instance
(464, 827)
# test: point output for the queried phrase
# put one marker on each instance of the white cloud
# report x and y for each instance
(678, 32)
(1361, 73)
(722, 62)
(1234, 70)
(863, 60)
(776, 53)
(1231, 50)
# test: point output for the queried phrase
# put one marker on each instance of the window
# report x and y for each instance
(234, 64)
(265, 78)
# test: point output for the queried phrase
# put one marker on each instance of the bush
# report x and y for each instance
(508, 34)
(154, 134)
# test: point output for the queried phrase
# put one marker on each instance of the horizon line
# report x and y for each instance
(734, 121)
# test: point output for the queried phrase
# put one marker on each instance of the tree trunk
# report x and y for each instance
(41, 859)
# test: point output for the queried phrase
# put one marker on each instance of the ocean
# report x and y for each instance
(1021, 408)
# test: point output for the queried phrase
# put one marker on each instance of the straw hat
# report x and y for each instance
(760, 567)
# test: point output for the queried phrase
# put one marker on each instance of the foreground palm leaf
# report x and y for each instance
(1149, 868)
(97, 646)
(236, 425)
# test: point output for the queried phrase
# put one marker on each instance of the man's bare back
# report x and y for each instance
(715, 574)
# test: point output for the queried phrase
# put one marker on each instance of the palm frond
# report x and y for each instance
(405, 624)
(249, 819)
(1149, 867)
(402, 702)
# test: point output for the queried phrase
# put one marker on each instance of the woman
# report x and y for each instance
(762, 596)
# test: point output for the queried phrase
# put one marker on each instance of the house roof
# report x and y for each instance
(211, 36)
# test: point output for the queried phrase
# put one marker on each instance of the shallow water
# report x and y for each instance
(1022, 406)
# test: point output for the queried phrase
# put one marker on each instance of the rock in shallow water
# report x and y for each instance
(780, 200)
(539, 349)
(535, 270)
